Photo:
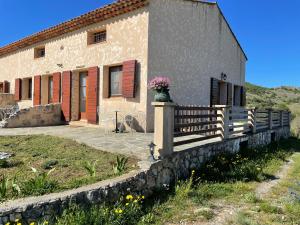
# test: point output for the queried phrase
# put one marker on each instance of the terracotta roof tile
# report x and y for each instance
(109, 11)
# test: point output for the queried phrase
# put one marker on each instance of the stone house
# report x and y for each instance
(101, 61)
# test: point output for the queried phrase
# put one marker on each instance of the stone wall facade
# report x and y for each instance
(43, 115)
(7, 99)
(148, 178)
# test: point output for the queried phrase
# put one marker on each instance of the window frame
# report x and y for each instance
(109, 81)
(50, 91)
(92, 37)
(37, 52)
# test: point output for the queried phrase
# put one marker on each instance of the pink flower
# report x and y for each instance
(159, 83)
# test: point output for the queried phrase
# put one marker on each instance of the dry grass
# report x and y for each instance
(66, 156)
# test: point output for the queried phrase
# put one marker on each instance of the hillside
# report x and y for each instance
(280, 98)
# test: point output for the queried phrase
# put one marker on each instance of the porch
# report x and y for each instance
(130, 144)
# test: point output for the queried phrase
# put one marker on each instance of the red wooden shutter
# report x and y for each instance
(37, 90)
(6, 86)
(56, 87)
(66, 95)
(92, 94)
(18, 91)
(129, 76)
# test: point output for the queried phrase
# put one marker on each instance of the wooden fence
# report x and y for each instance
(199, 123)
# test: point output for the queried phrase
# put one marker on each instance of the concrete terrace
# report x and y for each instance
(130, 144)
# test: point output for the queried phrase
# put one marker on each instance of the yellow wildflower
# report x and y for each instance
(19, 224)
(143, 197)
(129, 197)
(127, 204)
(193, 171)
(135, 201)
(32, 223)
(7, 223)
(118, 211)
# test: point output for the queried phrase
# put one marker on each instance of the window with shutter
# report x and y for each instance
(37, 90)
(56, 87)
(229, 94)
(93, 95)
(6, 87)
(215, 92)
(18, 90)
(243, 96)
(128, 79)
(66, 95)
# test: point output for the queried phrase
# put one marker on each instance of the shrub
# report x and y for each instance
(40, 184)
(4, 163)
(3, 187)
(49, 164)
(90, 168)
(120, 165)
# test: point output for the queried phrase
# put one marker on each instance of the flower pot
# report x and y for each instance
(162, 96)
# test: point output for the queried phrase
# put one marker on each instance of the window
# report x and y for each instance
(50, 89)
(26, 88)
(115, 81)
(39, 52)
(237, 96)
(96, 37)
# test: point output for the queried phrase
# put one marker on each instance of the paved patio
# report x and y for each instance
(130, 144)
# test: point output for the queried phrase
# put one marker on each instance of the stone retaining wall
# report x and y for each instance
(43, 115)
(144, 181)
(7, 99)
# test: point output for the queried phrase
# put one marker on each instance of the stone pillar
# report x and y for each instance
(270, 119)
(163, 128)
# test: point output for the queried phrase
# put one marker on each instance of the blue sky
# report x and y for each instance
(268, 31)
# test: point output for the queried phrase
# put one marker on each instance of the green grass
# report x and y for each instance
(46, 152)
(225, 180)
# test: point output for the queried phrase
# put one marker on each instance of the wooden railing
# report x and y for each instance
(199, 123)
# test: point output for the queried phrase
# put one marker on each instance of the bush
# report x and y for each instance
(48, 165)
(40, 184)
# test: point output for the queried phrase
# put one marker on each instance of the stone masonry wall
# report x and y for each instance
(43, 115)
(150, 177)
(7, 99)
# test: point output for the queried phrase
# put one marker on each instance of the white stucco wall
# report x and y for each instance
(127, 38)
(190, 42)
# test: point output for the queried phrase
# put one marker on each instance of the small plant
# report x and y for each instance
(4, 163)
(91, 168)
(3, 187)
(127, 211)
(120, 165)
(40, 184)
(48, 165)
(159, 83)
(15, 187)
